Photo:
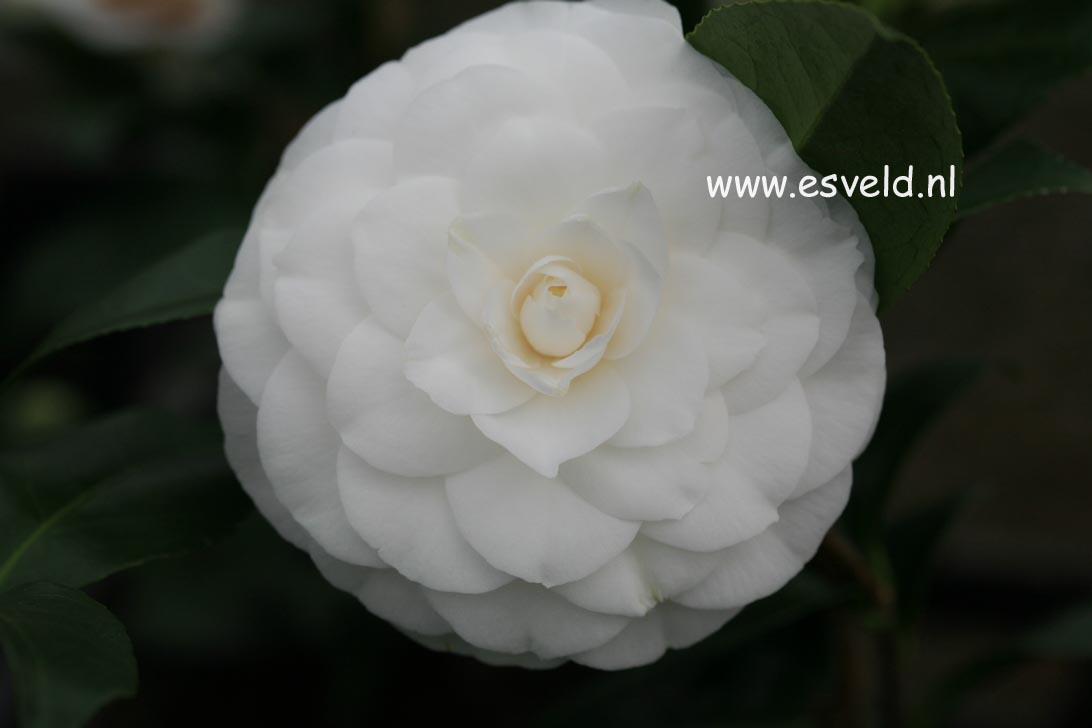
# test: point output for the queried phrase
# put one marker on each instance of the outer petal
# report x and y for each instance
(645, 640)
(450, 359)
(521, 17)
(642, 576)
(537, 168)
(827, 255)
(251, 344)
(533, 527)
(765, 459)
(845, 397)
(385, 593)
(238, 416)
(673, 168)
(791, 325)
(389, 422)
(441, 125)
(315, 293)
(734, 151)
(725, 311)
(667, 379)
(442, 58)
(547, 431)
(762, 565)
(641, 45)
(432, 553)
(401, 239)
(583, 77)
(640, 484)
(455, 644)
(523, 617)
(299, 453)
(375, 103)
(315, 134)
(645, 8)
(350, 168)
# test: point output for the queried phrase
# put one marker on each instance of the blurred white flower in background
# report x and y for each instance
(494, 357)
(123, 25)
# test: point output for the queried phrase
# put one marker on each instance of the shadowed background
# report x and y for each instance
(110, 160)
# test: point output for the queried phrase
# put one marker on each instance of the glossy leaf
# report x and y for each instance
(853, 96)
(1021, 169)
(68, 655)
(185, 284)
(111, 495)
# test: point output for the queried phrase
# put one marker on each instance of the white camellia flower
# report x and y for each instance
(139, 24)
(496, 359)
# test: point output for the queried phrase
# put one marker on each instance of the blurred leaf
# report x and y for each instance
(69, 656)
(1067, 636)
(112, 495)
(912, 544)
(185, 284)
(911, 403)
(1021, 169)
(1000, 59)
(853, 95)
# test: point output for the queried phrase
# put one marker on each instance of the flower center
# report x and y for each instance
(558, 308)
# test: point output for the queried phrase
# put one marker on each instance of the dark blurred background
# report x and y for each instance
(109, 158)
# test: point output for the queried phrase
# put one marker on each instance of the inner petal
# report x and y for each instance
(556, 307)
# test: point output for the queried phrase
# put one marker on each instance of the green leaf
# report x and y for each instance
(1000, 59)
(1021, 169)
(911, 403)
(853, 95)
(185, 284)
(69, 656)
(111, 495)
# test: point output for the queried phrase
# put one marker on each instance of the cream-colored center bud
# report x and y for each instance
(559, 310)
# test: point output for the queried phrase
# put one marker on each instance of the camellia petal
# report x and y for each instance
(844, 398)
(450, 359)
(644, 575)
(758, 567)
(547, 431)
(390, 423)
(667, 380)
(533, 527)
(642, 484)
(567, 164)
(525, 617)
(237, 416)
(315, 295)
(645, 640)
(298, 459)
(386, 593)
(399, 249)
(433, 554)
(499, 361)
